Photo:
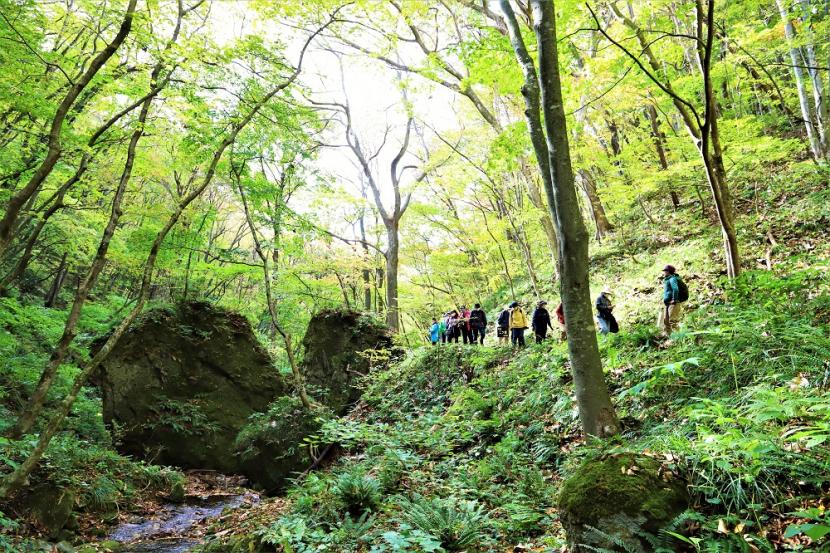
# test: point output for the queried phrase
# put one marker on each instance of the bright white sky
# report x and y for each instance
(370, 85)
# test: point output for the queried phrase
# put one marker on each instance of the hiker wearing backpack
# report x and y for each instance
(453, 332)
(675, 294)
(435, 332)
(478, 324)
(540, 322)
(518, 324)
(464, 325)
(503, 326)
(605, 318)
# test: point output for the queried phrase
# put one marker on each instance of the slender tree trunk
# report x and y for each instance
(595, 409)
(535, 195)
(589, 187)
(392, 261)
(299, 381)
(659, 139)
(704, 132)
(367, 284)
(54, 149)
(820, 102)
(57, 283)
(710, 135)
(35, 406)
(27, 419)
(803, 99)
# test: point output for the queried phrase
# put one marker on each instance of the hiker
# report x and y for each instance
(453, 331)
(442, 329)
(464, 325)
(503, 326)
(478, 324)
(518, 324)
(605, 318)
(560, 316)
(435, 332)
(675, 294)
(540, 322)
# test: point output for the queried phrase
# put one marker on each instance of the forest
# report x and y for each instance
(377, 276)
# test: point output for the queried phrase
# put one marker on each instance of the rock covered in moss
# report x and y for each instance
(271, 447)
(623, 496)
(183, 381)
(49, 507)
(338, 346)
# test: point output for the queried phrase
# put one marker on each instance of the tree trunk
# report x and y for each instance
(57, 283)
(803, 99)
(596, 412)
(704, 133)
(659, 139)
(392, 260)
(299, 381)
(15, 480)
(820, 102)
(589, 187)
(710, 135)
(545, 220)
(35, 406)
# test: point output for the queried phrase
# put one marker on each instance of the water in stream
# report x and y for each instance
(174, 528)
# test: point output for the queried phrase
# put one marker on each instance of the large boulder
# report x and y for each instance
(625, 497)
(183, 381)
(339, 346)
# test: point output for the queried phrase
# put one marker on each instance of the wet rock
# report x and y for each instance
(623, 496)
(338, 347)
(49, 507)
(183, 381)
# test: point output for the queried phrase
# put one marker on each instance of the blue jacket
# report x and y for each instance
(435, 332)
(671, 291)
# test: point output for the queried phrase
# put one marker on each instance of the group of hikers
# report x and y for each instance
(512, 322)
(467, 324)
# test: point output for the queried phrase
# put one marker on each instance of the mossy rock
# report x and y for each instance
(338, 345)
(49, 507)
(271, 447)
(624, 496)
(183, 381)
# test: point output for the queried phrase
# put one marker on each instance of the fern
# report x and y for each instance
(359, 493)
(455, 523)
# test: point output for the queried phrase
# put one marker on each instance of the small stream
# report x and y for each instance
(174, 528)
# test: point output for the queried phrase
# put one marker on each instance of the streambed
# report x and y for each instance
(176, 528)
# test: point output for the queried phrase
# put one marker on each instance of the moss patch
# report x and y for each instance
(620, 491)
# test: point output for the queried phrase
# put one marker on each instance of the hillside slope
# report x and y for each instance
(463, 448)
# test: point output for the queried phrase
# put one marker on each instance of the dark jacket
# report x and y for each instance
(504, 319)
(541, 319)
(478, 319)
(603, 305)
